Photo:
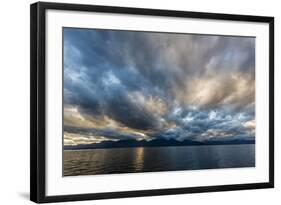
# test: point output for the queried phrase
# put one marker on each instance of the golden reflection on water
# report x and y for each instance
(139, 158)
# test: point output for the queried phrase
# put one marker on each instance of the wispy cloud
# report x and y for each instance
(152, 85)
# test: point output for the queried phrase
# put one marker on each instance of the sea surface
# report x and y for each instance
(152, 159)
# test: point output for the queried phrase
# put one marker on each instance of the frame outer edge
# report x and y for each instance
(155, 12)
(38, 108)
(37, 103)
(33, 104)
(271, 102)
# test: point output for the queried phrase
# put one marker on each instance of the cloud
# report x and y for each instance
(93, 135)
(75, 139)
(158, 84)
(216, 90)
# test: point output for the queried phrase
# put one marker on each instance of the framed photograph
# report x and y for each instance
(129, 102)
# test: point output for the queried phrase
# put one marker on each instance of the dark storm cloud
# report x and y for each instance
(151, 82)
(201, 124)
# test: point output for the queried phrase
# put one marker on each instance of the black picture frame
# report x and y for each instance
(38, 101)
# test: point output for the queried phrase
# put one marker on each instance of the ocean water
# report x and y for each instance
(152, 159)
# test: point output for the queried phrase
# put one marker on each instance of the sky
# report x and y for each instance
(121, 85)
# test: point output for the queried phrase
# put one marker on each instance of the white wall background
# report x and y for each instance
(14, 101)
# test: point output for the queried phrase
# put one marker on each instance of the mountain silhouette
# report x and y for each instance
(155, 143)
